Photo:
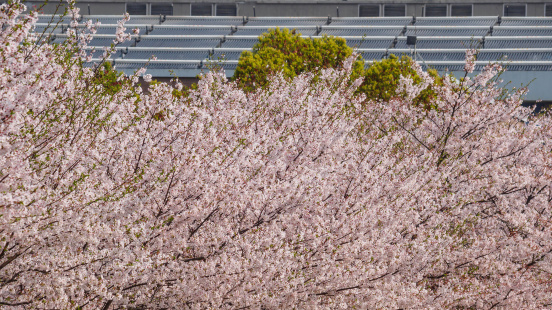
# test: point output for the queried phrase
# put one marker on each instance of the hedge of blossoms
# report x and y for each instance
(299, 195)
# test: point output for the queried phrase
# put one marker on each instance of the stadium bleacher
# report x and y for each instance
(227, 53)
(185, 45)
(368, 31)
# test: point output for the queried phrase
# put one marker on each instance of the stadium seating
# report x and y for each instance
(456, 21)
(524, 21)
(227, 53)
(518, 42)
(446, 31)
(286, 21)
(188, 44)
(195, 41)
(258, 30)
(203, 20)
(166, 53)
(512, 31)
(113, 19)
(368, 31)
(48, 28)
(369, 21)
(179, 30)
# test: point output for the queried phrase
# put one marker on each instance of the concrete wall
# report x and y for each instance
(415, 10)
(182, 9)
(487, 9)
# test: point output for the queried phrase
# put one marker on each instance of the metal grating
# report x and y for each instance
(286, 21)
(228, 53)
(369, 42)
(47, 29)
(106, 41)
(456, 21)
(530, 54)
(258, 30)
(432, 54)
(399, 52)
(372, 54)
(98, 40)
(239, 42)
(513, 31)
(111, 29)
(191, 30)
(167, 53)
(371, 21)
(226, 65)
(479, 65)
(156, 64)
(179, 41)
(443, 31)
(53, 19)
(369, 31)
(97, 53)
(526, 21)
(113, 19)
(200, 20)
(442, 42)
(518, 42)
(92, 64)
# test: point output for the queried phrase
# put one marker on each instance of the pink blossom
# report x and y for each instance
(470, 60)
(298, 195)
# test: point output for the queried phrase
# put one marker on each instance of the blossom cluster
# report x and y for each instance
(298, 195)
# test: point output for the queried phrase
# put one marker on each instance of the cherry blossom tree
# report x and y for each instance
(301, 195)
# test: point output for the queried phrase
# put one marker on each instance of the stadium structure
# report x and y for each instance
(187, 37)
